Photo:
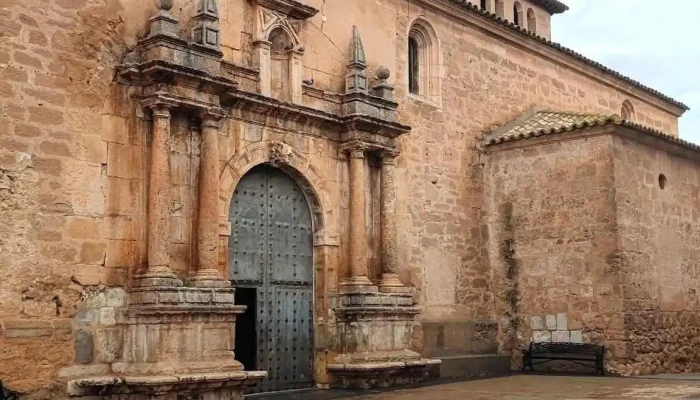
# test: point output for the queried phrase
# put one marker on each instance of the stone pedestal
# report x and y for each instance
(177, 341)
(375, 332)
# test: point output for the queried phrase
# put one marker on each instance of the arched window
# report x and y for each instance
(517, 14)
(627, 113)
(485, 5)
(531, 21)
(413, 66)
(501, 8)
(424, 62)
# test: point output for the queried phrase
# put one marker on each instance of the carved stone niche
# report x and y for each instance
(278, 50)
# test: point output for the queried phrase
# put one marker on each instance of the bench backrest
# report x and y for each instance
(566, 348)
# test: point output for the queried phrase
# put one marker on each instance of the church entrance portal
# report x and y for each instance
(271, 267)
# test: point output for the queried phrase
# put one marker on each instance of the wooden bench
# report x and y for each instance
(578, 353)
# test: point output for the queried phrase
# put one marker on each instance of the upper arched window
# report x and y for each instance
(517, 13)
(485, 5)
(531, 21)
(424, 62)
(501, 8)
(627, 113)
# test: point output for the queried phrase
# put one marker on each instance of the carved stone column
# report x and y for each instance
(208, 228)
(358, 234)
(390, 257)
(159, 200)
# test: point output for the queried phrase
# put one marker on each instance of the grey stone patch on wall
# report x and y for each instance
(84, 347)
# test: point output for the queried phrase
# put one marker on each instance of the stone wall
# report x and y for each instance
(553, 242)
(659, 234)
(73, 151)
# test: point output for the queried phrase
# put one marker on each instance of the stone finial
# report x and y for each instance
(356, 80)
(163, 24)
(206, 32)
(165, 5)
(383, 88)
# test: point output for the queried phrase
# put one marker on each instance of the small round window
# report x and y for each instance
(662, 181)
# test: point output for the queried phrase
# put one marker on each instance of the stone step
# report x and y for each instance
(474, 366)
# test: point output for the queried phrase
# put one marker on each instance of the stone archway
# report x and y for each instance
(325, 240)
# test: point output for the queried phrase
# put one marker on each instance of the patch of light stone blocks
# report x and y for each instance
(554, 328)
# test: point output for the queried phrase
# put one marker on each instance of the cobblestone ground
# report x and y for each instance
(551, 387)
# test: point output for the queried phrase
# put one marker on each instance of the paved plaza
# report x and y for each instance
(554, 387)
(529, 387)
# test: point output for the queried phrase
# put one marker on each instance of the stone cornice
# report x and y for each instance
(292, 8)
(497, 27)
(354, 127)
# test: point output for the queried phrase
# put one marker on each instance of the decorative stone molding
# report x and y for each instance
(280, 153)
(206, 32)
(291, 8)
(296, 164)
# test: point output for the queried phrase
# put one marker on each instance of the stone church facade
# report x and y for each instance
(342, 193)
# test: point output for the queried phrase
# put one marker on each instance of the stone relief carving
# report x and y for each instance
(269, 20)
(280, 153)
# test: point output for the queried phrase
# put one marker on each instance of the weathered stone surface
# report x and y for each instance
(77, 157)
(551, 322)
(84, 347)
(562, 322)
(576, 337)
(536, 323)
(561, 336)
(541, 336)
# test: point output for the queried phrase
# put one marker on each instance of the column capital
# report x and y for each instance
(355, 150)
(388, 157)
(159, 105)
(212, 116)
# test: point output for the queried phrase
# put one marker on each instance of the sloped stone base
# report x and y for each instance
(383, 374)
(218, 386)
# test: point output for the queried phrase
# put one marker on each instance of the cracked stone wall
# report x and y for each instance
(659, 233)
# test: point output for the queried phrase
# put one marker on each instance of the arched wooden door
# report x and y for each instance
(271, 265)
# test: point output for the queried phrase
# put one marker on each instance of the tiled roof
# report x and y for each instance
(569, 52)
(553, 6)
(545, 123)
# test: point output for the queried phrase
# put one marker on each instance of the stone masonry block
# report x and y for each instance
(27, 328)
(560, 336)
(224, 298)
(551, 322)
(541, 336)
(536, 323)
(116, 297)
(576, 337)
(108, 344)
(108, 316)
(83, 347)
(562, 322)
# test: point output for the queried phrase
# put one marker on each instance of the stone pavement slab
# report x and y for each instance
(530, 387)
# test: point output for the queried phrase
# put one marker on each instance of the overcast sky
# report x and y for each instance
(656, 42)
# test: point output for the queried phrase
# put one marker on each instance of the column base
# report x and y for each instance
(357, 284)
(210, 278)
(391, 284)
(157, 277)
